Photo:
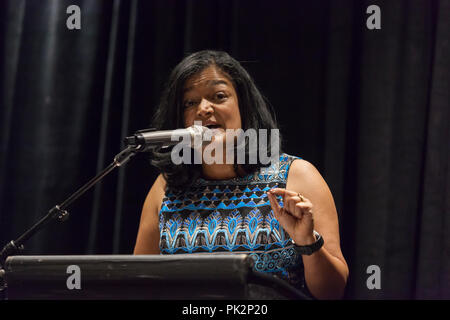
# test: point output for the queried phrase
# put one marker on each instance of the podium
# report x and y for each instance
(137, 277)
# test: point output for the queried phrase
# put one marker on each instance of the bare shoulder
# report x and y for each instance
(302, 167)
(160, 183)
(148, 234)
(155, 195)
(302, 173)
(304, 178)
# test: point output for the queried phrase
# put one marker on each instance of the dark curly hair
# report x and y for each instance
(255, 112)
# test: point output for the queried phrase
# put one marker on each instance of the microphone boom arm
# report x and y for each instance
(59, 212)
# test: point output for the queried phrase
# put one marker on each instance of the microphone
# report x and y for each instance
(144, 139)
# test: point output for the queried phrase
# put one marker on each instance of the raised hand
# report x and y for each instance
(295, 216)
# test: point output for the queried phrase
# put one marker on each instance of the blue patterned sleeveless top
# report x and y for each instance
(233, 216)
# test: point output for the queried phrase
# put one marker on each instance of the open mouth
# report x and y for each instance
(213, 126)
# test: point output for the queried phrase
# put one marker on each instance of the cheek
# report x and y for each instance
(188, 119)
(234, 116)
(238, 118)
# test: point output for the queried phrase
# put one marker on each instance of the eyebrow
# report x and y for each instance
(209, 83)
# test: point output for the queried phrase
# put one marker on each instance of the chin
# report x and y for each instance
(219, 138)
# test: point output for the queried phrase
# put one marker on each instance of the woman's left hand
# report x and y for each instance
(296, 215)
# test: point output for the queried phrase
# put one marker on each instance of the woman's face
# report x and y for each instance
(210, 97)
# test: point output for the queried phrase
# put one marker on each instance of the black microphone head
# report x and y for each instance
(131, 141)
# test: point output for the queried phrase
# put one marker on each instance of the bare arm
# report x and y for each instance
(147, 241)
(326, 270)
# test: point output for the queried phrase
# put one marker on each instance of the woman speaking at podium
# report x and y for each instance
(281, 213)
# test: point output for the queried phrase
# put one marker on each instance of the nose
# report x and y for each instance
(205, 109)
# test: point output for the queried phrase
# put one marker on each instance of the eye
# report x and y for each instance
(221, 96)
(189, 103)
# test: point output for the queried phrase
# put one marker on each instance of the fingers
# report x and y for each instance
(276, 208)
(287, 193)
(285, 219)
(302, 209)
(284, 192)
(278, 191)
(295, 215)
(294, 203)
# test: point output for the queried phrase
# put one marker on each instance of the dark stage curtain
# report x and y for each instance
(369, 108)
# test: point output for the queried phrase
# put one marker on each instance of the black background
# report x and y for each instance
(369, 108)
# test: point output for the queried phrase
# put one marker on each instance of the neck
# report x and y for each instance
(218, 171)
